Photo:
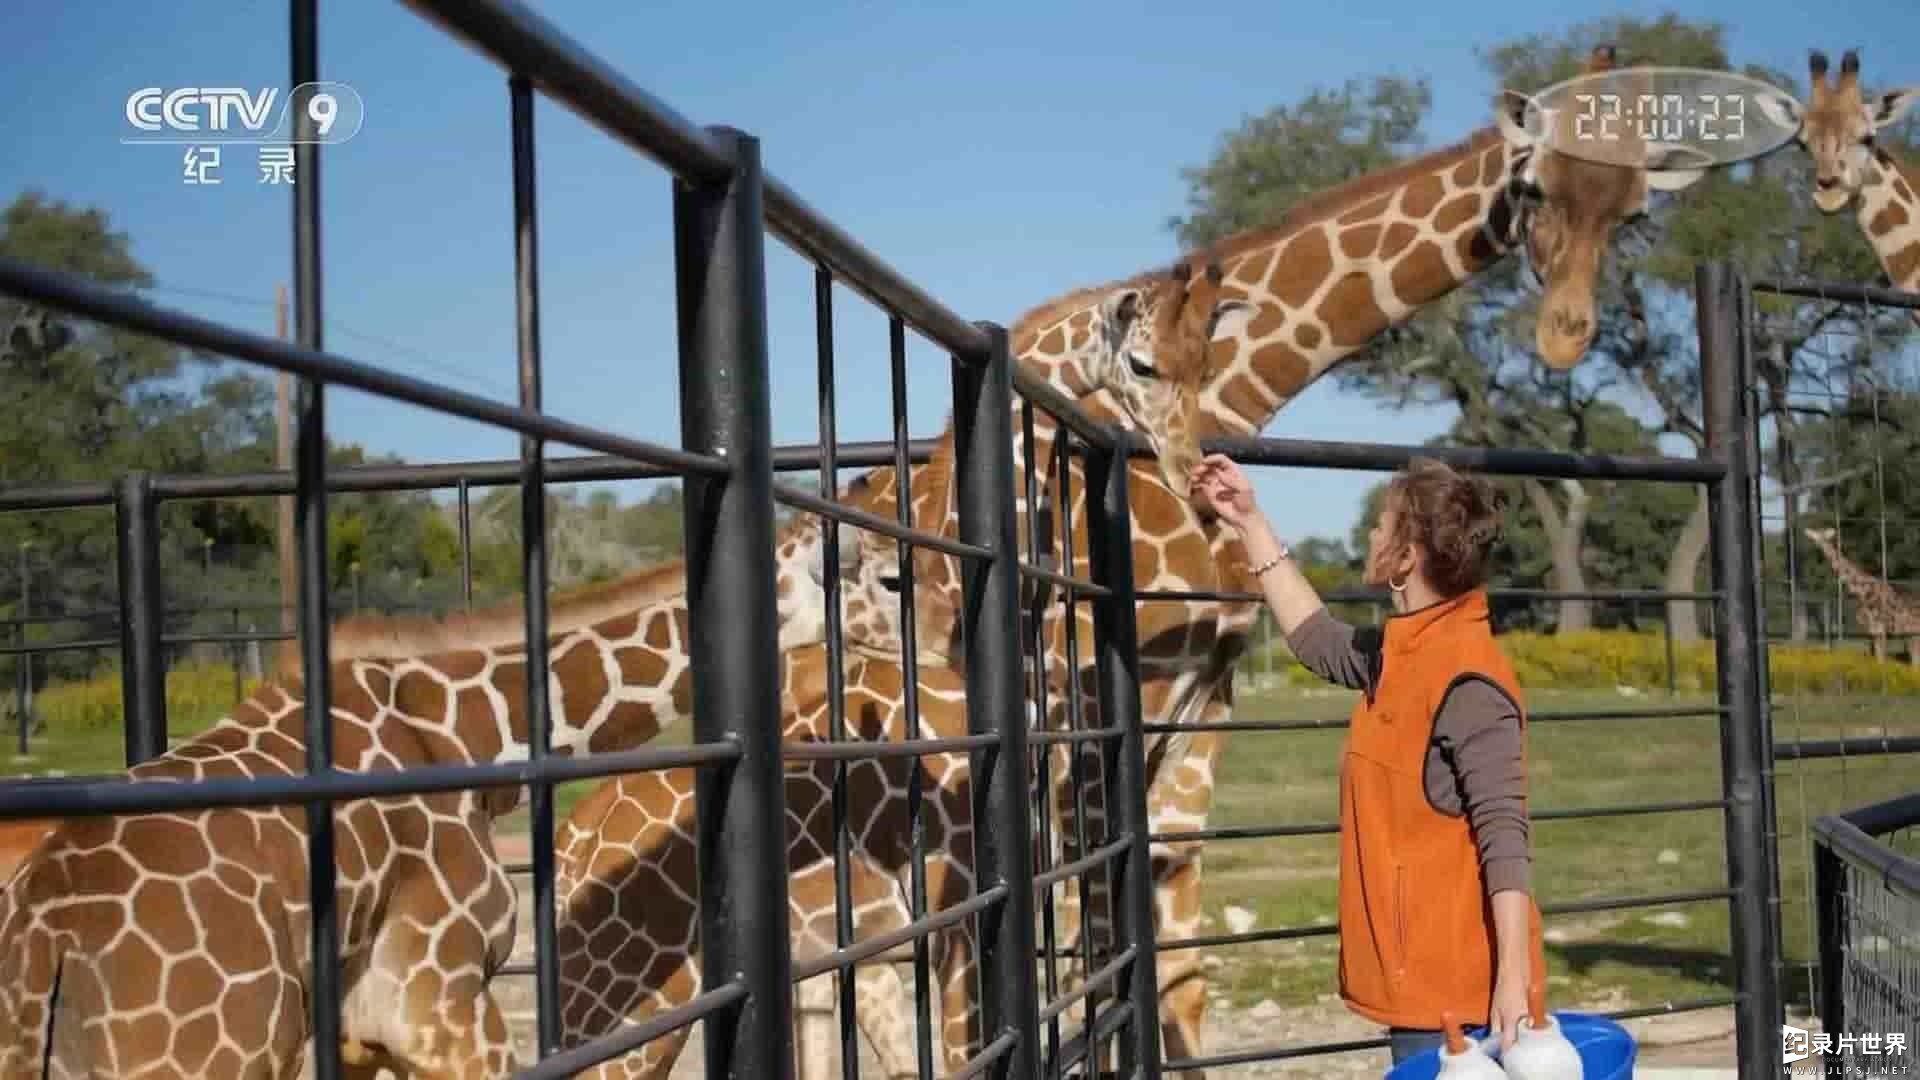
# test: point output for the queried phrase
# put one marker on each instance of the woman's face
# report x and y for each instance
(1382, 559)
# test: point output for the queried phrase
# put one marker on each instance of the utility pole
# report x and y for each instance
(283, 459)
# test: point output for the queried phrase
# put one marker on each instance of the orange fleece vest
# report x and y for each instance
(1416, 927)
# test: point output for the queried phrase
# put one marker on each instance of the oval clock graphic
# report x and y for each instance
(1662, 117)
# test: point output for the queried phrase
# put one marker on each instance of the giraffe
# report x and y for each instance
(1836, 129)
(625, 864)
(181, 937)
(1335, 272)
(1883, 609)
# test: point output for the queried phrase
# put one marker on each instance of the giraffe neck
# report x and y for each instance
(1864, 586)
(1349, 263)
(1889, 215)
(1338, 269)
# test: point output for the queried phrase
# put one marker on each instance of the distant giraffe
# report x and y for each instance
(1837, 129)
(1883, 609)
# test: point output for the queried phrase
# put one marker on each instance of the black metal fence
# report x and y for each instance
(1867, 896)
(723, 205)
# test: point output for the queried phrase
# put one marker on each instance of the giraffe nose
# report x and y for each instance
(1573, 326)
(1827, 183)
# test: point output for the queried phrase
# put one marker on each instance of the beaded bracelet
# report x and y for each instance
(1261, 570)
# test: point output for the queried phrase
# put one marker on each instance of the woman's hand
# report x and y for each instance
(1225, 489)
(1509, 1006)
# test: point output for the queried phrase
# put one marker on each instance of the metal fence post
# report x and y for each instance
(725, 411)
(1737, 657)
(1002, 842)
(143, 679)
(1110, 543)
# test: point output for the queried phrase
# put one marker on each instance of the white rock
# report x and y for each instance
(1669, 918)
(1557, 936)
(1239, 920)
(1667, 857)
(1267, 1010)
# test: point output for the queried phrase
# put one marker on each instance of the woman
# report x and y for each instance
(1436, 915)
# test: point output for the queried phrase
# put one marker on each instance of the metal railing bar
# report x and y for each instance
(1855, 746)
(1092, 982)
(1390, 457)
(570, 468)
(893, 939)
(100, 797)
(1067, 413)
(1050, 737)
(1838, 292)
(987, 1058)
(1042, 882)
(88, 299)
(626, 1040)
(1075, 1049)
(875, 750)
(808, 501)
(1250, 937)
(1580, 907)
(1063, 581)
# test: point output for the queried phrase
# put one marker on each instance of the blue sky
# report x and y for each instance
(996, 153)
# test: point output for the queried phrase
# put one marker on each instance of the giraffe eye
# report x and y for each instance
(1140, 367)
(890, 582)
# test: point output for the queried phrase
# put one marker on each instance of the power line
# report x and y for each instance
(335, 326)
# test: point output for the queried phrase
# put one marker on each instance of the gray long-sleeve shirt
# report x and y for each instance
(1473, 763)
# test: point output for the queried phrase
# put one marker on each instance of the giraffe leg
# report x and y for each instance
(1178, 802)
(959, 1008)
(816, 1052)
(885, 1011)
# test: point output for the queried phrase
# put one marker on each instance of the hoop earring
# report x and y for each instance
(1401, 587)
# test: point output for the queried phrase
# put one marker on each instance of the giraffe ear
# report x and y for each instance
(1888, 108)
(1230, 317)
(1510, 113)
(1121, 308)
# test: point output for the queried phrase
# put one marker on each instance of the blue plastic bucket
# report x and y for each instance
(1606, 1050)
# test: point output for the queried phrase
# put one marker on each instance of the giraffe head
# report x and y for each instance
(1153, 358)
(1838, 125)
(1566, 209)
(1822, 537)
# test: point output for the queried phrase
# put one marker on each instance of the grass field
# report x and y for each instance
(1632, 956)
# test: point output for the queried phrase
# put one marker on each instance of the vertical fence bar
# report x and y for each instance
(533, 563)
(910, 692)
(310, 522)
(1743, 752)
(1110, 544)
(143, 677)
(990, 604)
(466, 545)
(1830, 905)
(836, 672)
(733, 625)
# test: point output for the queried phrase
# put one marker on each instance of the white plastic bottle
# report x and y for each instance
(1461, 1058)
(1540, 1051)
